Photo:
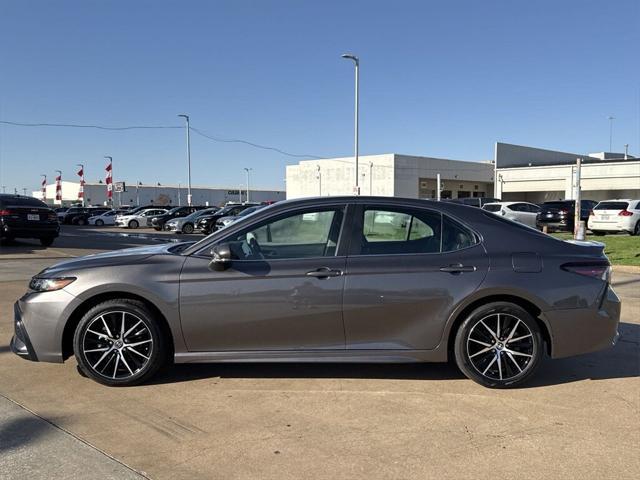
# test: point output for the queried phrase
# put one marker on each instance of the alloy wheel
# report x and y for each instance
(117, 345)
(500, 346)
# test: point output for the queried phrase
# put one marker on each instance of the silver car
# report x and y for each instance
(187, 224)
(338, 279)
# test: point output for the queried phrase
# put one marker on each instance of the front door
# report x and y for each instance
(282, 291)
(407, 270)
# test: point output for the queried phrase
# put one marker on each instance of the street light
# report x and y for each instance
(248, 188)
(370, 178)
(356, 62)
(186, 117)
(319, 177)
(611, 119)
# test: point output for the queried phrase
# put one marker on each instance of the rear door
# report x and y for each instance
(407, 270)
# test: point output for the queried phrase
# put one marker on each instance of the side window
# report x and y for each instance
(387, 231)
(455, 236)
(312, 233)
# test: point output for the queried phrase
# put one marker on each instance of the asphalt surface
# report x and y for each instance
(579, 418)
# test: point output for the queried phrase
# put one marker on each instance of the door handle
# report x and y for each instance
(324, 272)
(458, 268)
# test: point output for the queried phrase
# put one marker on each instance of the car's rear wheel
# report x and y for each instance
(636, 230)
(119, 343)
(81, 221)
(187, 228)
(157, 229)
(499, 345)
(46, 241)
(134, 224)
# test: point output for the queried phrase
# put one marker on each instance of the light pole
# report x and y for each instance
(24, 191)
(626, 151)
(319, 177)
(356, 61)
(370, 178)
(186, 117)
(611, 119)
(4, 189)
(248, 187)
(138, 193)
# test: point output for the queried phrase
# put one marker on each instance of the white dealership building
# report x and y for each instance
(155, 194)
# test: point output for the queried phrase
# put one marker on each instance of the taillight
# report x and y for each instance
(52, 216)
(5, 212)
(564, 211)
(625, 213)
(598, 270)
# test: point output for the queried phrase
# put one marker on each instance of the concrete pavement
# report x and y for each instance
(579, 418)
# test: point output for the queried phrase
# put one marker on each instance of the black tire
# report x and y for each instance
(81, 221)
(157, 229)
(187, 228)
(110, 360)
(636, 230)
(599, 234)
(133, 224)
(99, 223)
(504, 362)
(47, 241)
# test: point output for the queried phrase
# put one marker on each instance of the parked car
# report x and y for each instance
(134, 220)
(60, 213)
(560, 214)
(71, 213)
(158, 221)
(473, 201)
(228, 220)
(207, 223)
(106, 218)
(612, 216)
(319, 280)
(83, 218)
(27, 217)
(187, 224)
(523, 212)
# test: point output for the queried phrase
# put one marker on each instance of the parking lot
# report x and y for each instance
(579, 417)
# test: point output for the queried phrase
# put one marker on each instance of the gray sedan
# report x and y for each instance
(338, 279)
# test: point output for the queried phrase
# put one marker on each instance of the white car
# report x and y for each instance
(107, 218)
(615, 216)
(138, 218)
(521, 212)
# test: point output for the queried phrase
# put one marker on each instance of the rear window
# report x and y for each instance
(22, 202)
(492, 208)
(612, 206)
(557, 204)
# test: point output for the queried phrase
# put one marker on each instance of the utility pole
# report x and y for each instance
(578, 229)
(611, 119)
(626, 151)
(248, 186)
(370, 178)
(438, 187)
(356, 62)
(186, 117)
(319, 177)
(24, 190)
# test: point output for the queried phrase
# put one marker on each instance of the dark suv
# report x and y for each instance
(560, 214)
(207, 223)
(474, 201)
(27, 217)
(158, 222)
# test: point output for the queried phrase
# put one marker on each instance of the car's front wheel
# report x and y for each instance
(134, 224)
(119, 343)
(499, 345)
(187, 228)
(99, 223)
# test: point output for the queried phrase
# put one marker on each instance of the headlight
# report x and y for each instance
(49, 284)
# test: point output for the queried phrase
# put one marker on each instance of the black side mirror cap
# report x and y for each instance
(220, 258)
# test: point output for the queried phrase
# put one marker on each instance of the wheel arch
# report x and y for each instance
(89, 303)
(524, 303)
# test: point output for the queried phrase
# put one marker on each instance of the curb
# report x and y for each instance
(626, 269)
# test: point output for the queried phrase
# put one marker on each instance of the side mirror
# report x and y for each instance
(221, 258)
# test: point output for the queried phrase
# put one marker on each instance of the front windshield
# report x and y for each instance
(199, 213)
(174, 210)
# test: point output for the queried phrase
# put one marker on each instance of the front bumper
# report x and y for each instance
(20, 342)
(575, 331)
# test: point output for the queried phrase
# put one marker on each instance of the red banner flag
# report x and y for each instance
(44, 187)
(81, 189)
(109, 181)
(59, 187)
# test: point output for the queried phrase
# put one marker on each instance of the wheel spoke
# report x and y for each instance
(104, 355)
(142, 342)
(106, 326)
(513, 331)
(517, 339)
(514, 361)
(481, 343)
(513, 352)
(126, 334)
(489, 366)
(498, 328)
(484, 350)
(97, 350)
(125, 362)
(101, 335)
(499, 357)
(490, 331)
(137, 352)
(122, 327)
(115, 368)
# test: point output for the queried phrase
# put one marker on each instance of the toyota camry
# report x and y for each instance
(337, 279)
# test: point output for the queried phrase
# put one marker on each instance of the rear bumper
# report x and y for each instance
(581, 330)
(20, 230)
(609, 226)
